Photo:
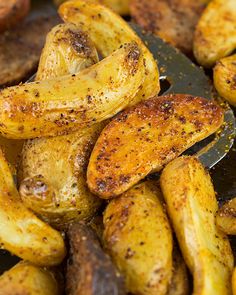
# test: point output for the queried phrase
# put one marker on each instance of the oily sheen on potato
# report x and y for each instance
(109, 31)
(191, 204)
(68, 103)
(144, 138)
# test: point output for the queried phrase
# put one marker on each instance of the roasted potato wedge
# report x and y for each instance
(67, 51)
(215, 35)
(226, 217)
(138, 237)
(89, 270)
(26, 278)
(234, 281)
(21, 232)
(192, 205)
(109, 31)
(12, 12)
(144, 138)
(179, 284)
(65, 104)
(173, 20)
(225, 78)
(61, 197)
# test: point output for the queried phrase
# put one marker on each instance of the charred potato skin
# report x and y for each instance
(66, 104)
(62, 197)
(89, 270)
(26, 278)
(98, 20)
(158, 130)
(67, 50)
(215, 34)
(12, 12)
(192, 205)
(226, 217)
(138, 237)
(225, 78)
(21, 232)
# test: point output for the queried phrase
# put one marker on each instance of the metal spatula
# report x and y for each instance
(179, 75)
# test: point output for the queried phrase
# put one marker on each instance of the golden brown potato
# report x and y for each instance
(226, 217)
(225, 78)
(65, 104)
(215, 35)
(21, 232)
(25, 278)
(144, 138)
(109, 31)
(12, 12)
(60, 197)
(138, 237)
(89, 270)
(172, 20)
(234, 281)
(67, 50)
(192, 205)
(179, 284)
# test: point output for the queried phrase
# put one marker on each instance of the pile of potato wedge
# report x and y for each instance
(78, 208)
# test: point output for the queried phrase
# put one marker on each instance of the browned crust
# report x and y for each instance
(172, 20)
(89, 270)
(146, 137)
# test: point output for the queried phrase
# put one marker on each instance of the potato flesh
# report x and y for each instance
(192, 205)
(144, 138)
(108, 32)
(61, 197)
(234, 281)
(138, 237)
(21, 232)
(67, 51)
(65, 104)
(225, 78)
(215, 35)
(25, 278)
(226, 218)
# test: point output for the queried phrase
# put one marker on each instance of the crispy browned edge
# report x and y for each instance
(89, 270)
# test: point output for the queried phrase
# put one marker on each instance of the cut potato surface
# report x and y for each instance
(144, 138)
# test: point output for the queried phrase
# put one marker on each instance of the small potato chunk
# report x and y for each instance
(53, 177)
(192, 205)
(226, 217)
(138, 237)
(89, 270)
(109, 31)
(12, 12)
(144, 138)
(68, 50)
(68, 103)
(215, 35)
(225, 78)
(21, 232)
(25, 278)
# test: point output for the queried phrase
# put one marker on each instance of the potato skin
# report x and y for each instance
(26, 278)
(138, 237)
(61, 197)
(21, 232)
(98, 20)
(157, 130)
(215, 34)
(226, 217)
(89, 270)
(67, 50)
(225, 78)
(12, 12)
(66, 104)
(192, 205)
